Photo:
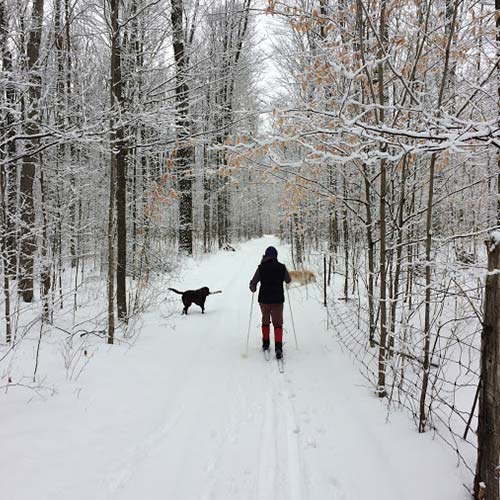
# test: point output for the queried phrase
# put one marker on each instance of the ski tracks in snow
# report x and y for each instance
(296, 479)
(137, 455)
(282, 473)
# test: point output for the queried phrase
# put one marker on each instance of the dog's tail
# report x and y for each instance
(217, 291)
(176, 291)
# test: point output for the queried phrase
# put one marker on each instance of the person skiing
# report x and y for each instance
(271, 275)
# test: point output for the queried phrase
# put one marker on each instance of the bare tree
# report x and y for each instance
(32, 127)
(184, 151)
(488, 432)
(119, 160)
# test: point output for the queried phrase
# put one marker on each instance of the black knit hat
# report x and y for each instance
(271, 252)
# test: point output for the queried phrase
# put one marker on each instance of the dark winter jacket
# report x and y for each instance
(271, 275)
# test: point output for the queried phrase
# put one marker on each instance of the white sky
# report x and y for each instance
(266, 27)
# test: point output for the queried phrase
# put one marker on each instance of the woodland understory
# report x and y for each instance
(364, 133)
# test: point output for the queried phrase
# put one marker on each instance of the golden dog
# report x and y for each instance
(303, 277)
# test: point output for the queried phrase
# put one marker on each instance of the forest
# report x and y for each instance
(364, 134)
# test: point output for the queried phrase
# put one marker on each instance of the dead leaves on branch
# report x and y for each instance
(295, 197)
(161, 194)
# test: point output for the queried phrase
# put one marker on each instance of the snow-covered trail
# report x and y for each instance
(182, 415)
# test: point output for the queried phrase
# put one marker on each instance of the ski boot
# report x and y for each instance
(278, 348)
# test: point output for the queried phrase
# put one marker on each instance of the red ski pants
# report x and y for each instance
(272, 312)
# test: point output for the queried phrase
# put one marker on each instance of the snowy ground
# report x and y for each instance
(182, 415)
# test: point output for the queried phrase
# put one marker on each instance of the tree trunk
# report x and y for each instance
(111, 250)
(28, 240)
(3, 247)
(119, 157)
(9, 185)
(399, 255)
(371, 256)
(297, 237)
(45, 263)
(428, 241)
(497, 35)
(383, 231)
(488, 431)
(184, 153)
(345, 227)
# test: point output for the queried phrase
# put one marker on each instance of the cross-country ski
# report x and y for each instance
(281, 365)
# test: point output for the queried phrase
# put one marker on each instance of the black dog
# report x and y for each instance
(196, 296)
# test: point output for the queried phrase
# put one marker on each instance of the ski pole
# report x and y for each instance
(249, 322)
(291, 316)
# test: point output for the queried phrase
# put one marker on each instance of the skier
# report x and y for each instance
(271, 275)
